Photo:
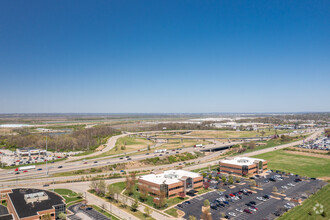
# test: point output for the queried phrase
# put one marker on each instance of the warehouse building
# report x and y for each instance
(243, 166)
(171, 182)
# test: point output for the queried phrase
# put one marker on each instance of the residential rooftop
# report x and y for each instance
(169, 177)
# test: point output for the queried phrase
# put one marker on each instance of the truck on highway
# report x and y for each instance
(25, 168)
(198, 145)
(161, 151)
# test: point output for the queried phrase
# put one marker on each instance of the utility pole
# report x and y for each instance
(46, 158)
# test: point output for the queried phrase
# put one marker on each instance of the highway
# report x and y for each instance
(30, 176)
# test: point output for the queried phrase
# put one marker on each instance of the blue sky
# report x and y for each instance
(164, 56)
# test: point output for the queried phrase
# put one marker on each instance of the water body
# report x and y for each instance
(14, 125)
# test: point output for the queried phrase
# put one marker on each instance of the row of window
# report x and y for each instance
(178, 187)
(232, 168)
(198, 181)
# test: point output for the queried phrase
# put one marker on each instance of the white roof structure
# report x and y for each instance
(241, 161)
(169, 177)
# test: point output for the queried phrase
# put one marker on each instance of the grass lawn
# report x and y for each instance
(303, 211)
(172, 212)
(297, 164)
(104, 212)
(203, 191)
(68, 195)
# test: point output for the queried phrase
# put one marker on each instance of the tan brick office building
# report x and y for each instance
(243, 166)
(171, 182)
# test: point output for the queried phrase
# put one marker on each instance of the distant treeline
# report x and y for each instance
(85, 139)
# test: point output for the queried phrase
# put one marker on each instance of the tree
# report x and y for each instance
(237, 180)
(112, 191)
(147, 211)
(130, 183)
(253, 183)
(135, 205)
(62, 216)
(204, 175)
(206, 203)
(191, 217)
(161, 199)
(210, 176)
(217, 178)
(148, 147)
(224, 179)
(46, 217)
(275, 189)
(230, 179)
(79, 195)
(102, 187)
(93, 185)
(206, 215)
(143, 192)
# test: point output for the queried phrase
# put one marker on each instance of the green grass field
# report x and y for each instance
(297, 164)
(172, 212)
(68, 195)
(305, 211)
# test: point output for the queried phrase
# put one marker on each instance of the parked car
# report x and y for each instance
(247, 211)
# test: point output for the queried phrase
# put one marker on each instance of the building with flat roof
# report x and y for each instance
(32, 204)
(171, 182)
(243, 166)
(29, 151)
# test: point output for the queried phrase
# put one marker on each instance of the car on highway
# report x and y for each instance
(25, 171)
(85, 162)
(121, 158)
(60, 167)
(95, 162)
(39, 169)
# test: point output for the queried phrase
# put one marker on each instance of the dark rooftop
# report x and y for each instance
(6, 217)
(25, 210)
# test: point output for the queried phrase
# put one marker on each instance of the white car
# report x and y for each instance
(290, 184)
(239, 210)
(284, 187)
(232, 214)
(287, 206)
(290, 204)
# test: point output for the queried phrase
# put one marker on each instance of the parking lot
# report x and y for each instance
(261, 208)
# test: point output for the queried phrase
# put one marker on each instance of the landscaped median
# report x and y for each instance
(69, 196)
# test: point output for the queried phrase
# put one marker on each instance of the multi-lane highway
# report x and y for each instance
(72, 165)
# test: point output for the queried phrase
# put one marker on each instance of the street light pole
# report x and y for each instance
(46, 158)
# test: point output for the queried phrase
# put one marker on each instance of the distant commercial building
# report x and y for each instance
(32, 204)
(171, 182)
(29, 151)
(243, 166)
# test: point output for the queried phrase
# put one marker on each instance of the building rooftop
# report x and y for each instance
(169, 177)
(241, 161)
(26, 209)
(6, 217)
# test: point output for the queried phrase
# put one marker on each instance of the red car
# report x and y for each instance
(25, 171)
(247, 211)
(85, 162)
(232, 195)
(253, 207)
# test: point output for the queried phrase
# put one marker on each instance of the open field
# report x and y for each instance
(128, 144)
(297, 164)
(305, 211)
(232, 134)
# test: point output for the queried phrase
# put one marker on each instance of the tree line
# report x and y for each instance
(86, 139)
